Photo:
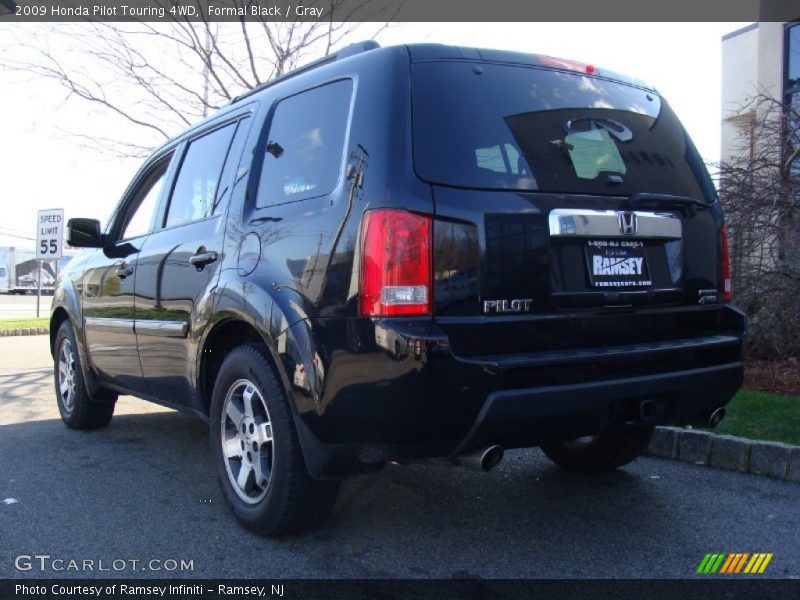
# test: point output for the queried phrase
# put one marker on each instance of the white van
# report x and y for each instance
(4, 282)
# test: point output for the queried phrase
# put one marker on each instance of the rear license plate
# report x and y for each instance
(617, 263)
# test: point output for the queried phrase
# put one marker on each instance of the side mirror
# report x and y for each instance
(84, 233)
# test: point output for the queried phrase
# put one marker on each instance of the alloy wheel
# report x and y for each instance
(246, 438)
(66, 376)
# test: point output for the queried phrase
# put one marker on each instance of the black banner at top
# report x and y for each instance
(398, 10)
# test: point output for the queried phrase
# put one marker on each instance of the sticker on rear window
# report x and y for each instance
(592, 152)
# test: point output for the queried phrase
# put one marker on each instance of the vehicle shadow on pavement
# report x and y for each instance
(145, 487)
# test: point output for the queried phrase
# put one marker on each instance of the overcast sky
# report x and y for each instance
(44, 167)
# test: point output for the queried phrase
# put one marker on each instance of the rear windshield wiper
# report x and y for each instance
(685, 203)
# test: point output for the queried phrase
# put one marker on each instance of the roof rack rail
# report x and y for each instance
(350, 50)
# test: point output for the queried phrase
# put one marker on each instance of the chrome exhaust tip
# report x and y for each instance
(483, 459)
(716, 417)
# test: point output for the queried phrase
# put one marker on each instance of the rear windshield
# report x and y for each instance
(490, 126)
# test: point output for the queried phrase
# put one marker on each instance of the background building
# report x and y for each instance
(762, 58)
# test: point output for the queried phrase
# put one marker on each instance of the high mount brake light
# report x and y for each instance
(562, 63)
(396, 277)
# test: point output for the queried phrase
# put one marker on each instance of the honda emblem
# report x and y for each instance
(627, 222)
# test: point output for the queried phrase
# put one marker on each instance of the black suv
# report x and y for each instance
(403, 253)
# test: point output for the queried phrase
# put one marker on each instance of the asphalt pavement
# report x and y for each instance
(143, 490)
(22, 307)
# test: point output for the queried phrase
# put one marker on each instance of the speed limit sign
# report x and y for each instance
(49, 233)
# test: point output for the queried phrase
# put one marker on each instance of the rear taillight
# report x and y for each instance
(727, 288)
(395, 264)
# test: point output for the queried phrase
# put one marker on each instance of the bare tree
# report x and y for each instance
(162, 77)
(760, 188)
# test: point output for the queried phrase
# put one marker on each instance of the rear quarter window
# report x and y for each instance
(304, 152)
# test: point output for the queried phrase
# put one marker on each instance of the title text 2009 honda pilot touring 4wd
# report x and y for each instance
(403, 253)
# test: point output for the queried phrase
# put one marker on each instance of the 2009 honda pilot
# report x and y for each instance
(404, 253)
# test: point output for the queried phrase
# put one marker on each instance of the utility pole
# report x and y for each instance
(39, 289)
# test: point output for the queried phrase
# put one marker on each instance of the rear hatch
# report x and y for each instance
(572, 209)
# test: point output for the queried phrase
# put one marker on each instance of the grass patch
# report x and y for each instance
(762, 416)
(24, 323)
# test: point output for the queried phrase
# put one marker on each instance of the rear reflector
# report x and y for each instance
(727, 290)
(395, 264)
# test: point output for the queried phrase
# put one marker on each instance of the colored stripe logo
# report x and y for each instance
(734, 563)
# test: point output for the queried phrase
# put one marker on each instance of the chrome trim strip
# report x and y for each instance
(161, 328)
(108, 324)
(581, 222)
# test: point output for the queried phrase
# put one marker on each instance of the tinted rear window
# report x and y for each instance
(524, 128)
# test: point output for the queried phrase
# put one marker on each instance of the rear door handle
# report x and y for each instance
(201, 259)
(124, 272)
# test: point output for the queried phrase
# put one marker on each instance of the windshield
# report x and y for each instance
(525, 128)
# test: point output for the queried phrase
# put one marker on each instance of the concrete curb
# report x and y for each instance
(24, 331)
(773, 459)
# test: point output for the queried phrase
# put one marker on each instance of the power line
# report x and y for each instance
(14, 229)
(16, 235)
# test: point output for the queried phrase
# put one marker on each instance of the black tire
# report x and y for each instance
(605, 452)
(78, 409)
(289, 501)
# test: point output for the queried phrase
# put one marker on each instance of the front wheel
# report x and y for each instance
(257, 452)
(77, 408)
(603, 452)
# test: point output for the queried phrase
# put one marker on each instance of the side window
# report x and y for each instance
(197, 183)
(303, 154)
(233, 163)
(142, 209)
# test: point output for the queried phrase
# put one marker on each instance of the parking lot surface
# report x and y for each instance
(144, 490)
(23, 307)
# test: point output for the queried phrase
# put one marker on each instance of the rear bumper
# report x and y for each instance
(394, 390)
(516, 418)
